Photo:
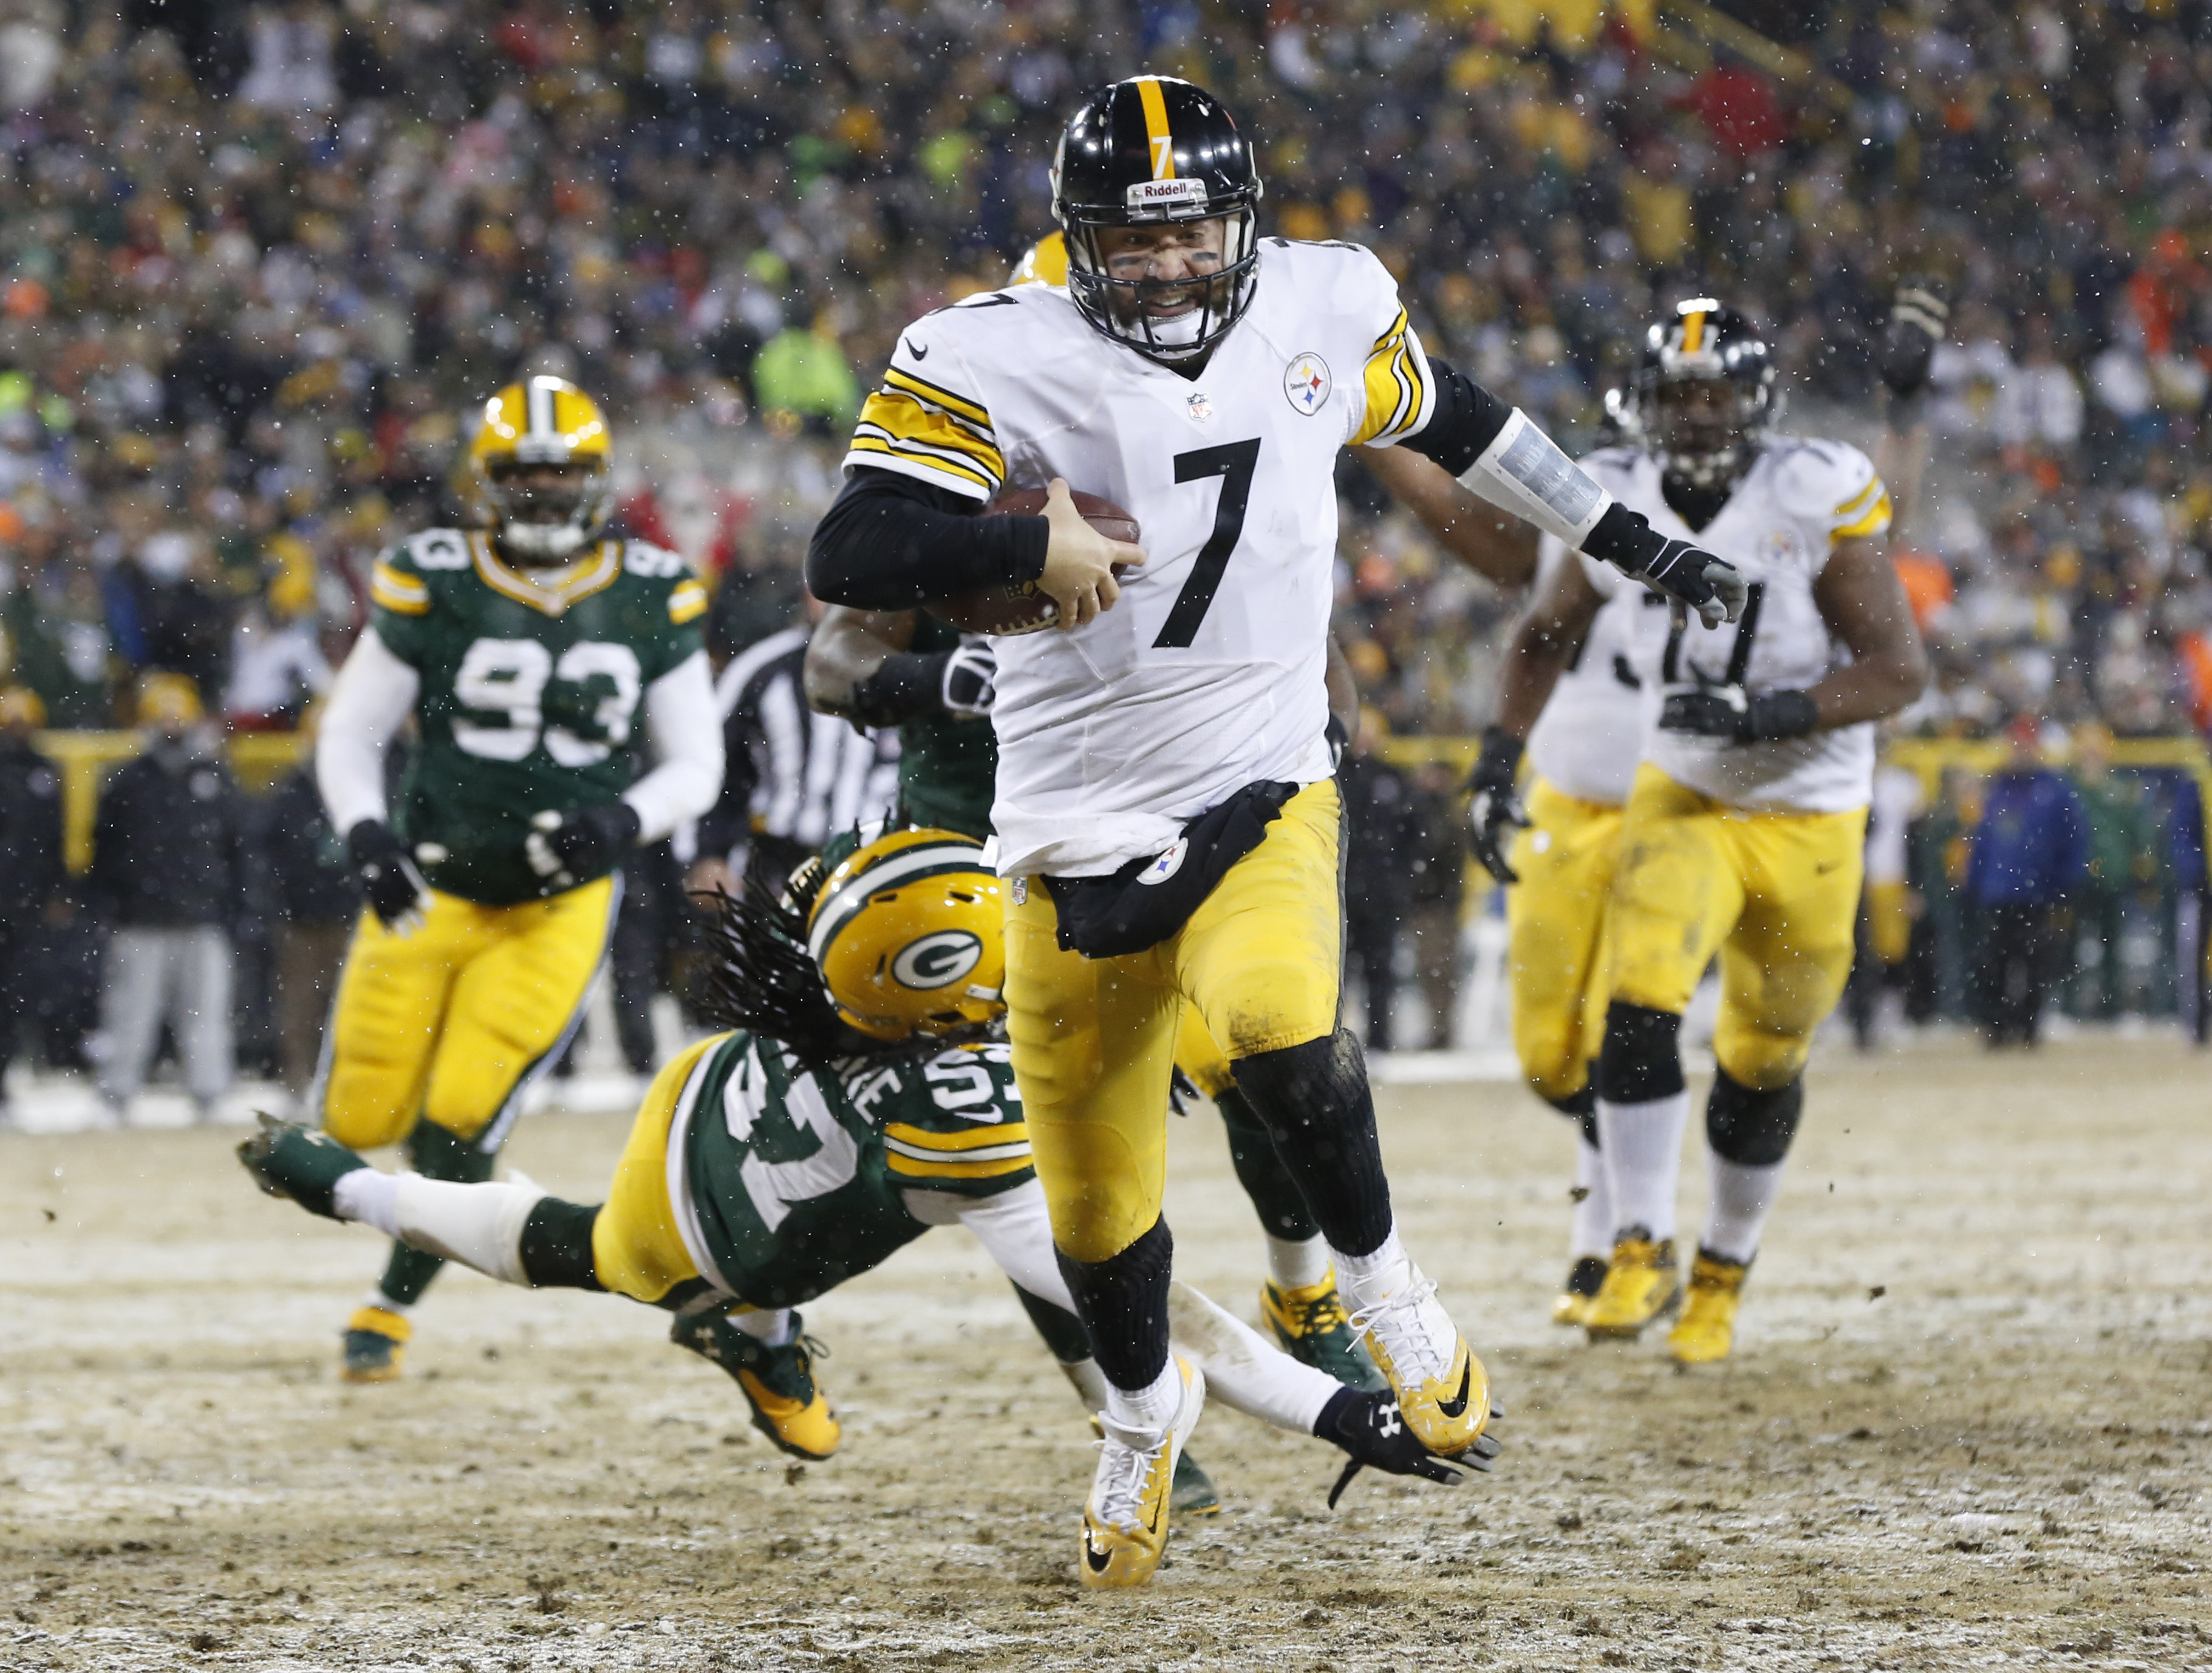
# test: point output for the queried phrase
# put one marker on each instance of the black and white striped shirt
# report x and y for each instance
(793, 775)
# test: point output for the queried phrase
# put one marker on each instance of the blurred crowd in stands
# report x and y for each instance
(257, 262)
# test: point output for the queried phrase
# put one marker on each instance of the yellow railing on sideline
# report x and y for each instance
(260, 758)
(86, 758)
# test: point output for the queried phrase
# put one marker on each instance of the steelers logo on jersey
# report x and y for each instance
(1306, 381)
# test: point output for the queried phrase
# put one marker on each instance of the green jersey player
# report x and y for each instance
(862, 1100)
(533, 656)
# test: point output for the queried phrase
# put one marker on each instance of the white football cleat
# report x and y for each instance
(1124, 1520)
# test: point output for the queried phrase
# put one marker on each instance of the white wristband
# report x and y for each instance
(1523, 471)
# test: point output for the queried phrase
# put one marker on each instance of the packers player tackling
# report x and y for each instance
(530, 654)
(1165, 808)
(861, 1099)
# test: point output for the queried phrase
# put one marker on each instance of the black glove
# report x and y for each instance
(1494, 806)
(1687, 574)
(565, 849)
(970, 682)
(1370, 1428)
(396, 891)
(1917, 320)
(1740, 716)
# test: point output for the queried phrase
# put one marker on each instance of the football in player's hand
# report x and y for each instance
(1005, 610)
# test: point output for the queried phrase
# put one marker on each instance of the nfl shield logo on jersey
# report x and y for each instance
(1200, 406)
(1305, 380)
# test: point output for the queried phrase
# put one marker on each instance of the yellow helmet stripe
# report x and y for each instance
(1155, 126)
(1693, 331)
(839, 907)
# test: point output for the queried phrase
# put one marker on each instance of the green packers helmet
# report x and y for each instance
(908, 935)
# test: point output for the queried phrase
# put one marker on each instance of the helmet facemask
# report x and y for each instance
(1706, 430)
(1206, 303)
(545, 511)
(1704, 400)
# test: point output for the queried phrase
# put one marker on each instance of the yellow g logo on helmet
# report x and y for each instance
(908, 937)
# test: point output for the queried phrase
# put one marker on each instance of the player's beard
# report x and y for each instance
(1203, 303)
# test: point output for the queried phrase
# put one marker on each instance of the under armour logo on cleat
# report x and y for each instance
(1456, 1406)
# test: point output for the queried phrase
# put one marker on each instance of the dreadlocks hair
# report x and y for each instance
(759, 975)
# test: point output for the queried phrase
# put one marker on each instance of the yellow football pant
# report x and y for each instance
(1776, 895)
(1555, 919)
(1094, 1039)
(452, 1022)
(636, 1249)
(1889, 921)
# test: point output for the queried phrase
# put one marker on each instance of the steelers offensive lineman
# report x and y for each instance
(857, 1100)
(1742, 829)
(1582, 754)
(533, 655)
(1165, 808)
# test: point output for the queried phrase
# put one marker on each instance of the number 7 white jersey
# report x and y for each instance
(1779, 525)
(1208, 676)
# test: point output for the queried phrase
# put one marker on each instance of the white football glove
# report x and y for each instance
(971, 681)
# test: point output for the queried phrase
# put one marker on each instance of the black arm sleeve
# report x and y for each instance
(891, 543)
(1466, 422)
(908, 683)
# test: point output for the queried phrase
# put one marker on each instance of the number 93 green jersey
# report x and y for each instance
(530, 683)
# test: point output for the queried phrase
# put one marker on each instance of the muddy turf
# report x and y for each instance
(1966, 1426)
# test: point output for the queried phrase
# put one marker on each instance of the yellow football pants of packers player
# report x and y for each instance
(636, 1249)
(1776, 895)
(1094, 1039)
(1555, 920)
(451, 1021)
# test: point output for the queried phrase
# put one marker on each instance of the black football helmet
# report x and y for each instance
(1703, 400)
(1140, 152)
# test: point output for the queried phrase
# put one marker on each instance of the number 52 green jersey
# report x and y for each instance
(794, 1179)
(530, 682)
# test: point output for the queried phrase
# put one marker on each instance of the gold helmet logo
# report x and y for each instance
(539, 463)
(908, 936)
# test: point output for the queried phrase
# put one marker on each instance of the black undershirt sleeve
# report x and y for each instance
(1467, 420)
(890, 542)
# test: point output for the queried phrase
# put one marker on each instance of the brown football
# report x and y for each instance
(1003, 611)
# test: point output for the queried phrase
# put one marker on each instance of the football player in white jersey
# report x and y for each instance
(1743, 829)
(1165, 804)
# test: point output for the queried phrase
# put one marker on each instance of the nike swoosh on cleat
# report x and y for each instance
(1094, 1556)
(1456, 1406)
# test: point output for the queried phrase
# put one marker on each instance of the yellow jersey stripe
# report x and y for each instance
(1875, 520)
(976, 1137)
(399, 583)
(909, 1167)
(1156, 127)
(687, 602)
(959, 405)
(1693, 331)
(577, 583)
(905, 423)
(1872, 487)
(958, 476)
(1397, 393)
(399, 602)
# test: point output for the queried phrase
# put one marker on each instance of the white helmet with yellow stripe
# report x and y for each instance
(908, 937)
(539, 463)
